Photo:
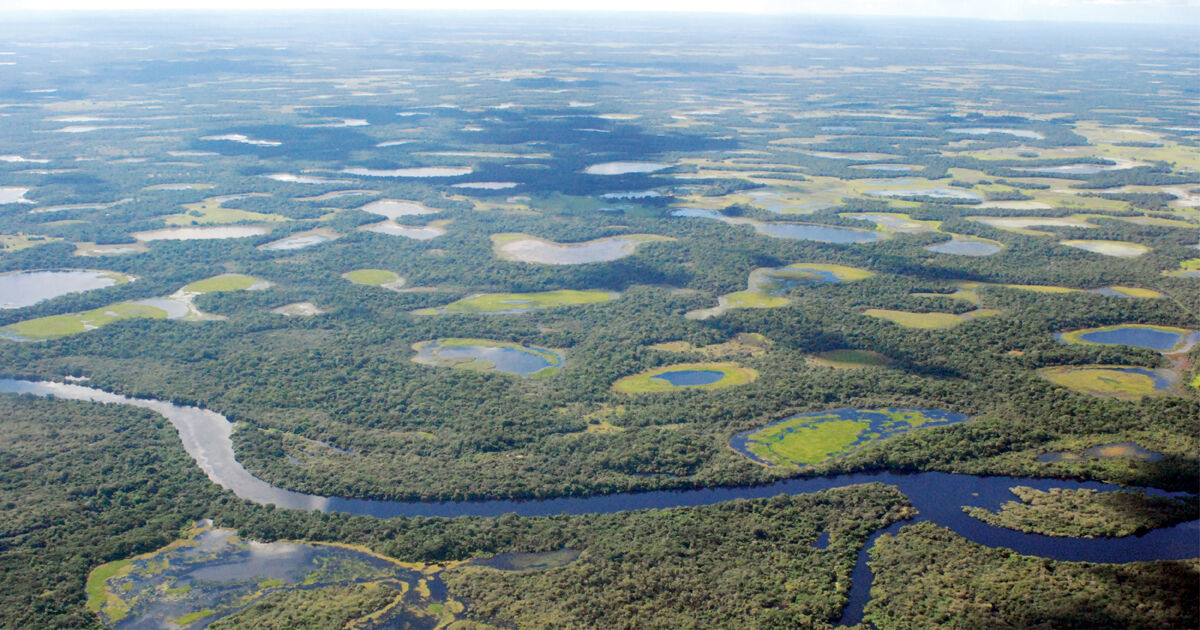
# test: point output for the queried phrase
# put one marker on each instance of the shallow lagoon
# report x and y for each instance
(966, 247)
(799, 231)
(487, 355)
(215, 574)
(1159, 338)
(299, 241)
(26, 288)
(1113, 381)
(390, 227)
(623, 168)
(394, 208)
(525, 248)
(983, 131)
(1116, 249)
(200, 233)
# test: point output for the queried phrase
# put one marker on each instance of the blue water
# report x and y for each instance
(691, 378)
(509, 360)
(1161, 383)
(1133, 335)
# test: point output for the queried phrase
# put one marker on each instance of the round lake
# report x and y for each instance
(966, 247)
(1133, 335)
(691, 378)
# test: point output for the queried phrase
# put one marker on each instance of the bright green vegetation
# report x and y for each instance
(928, 321)
(1087, 513)
(75, 323)
(758, 567)
(97, 595)
(813, 438)
(807, 442)
(929, 577)
(519, 302)
(193, 617)
(372, 277)
(847, 359)
(211, 212)
(224, 282)
(315, 609)
(1115, 381)
(732, 375)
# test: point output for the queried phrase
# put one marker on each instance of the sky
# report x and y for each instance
(1141, 11)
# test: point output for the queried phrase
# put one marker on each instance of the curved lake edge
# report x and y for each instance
(937, 496)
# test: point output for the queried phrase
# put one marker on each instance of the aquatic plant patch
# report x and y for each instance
(813, 438)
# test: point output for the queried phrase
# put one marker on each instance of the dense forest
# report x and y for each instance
(993, 190)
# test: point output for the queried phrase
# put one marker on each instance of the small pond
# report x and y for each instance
(200, 233)
(295, 242)
(691, 378)
(962, 247)
(1150, 337)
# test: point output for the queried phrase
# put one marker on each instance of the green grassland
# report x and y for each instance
(506, 302)
(211, 212)
(75, 323)
(223, 282)
(733, 374)
(17, 242)
(1103, 381)
(927, 321)
(371, 277)
(811, 439)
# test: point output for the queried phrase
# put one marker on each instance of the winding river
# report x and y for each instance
(938, 497)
